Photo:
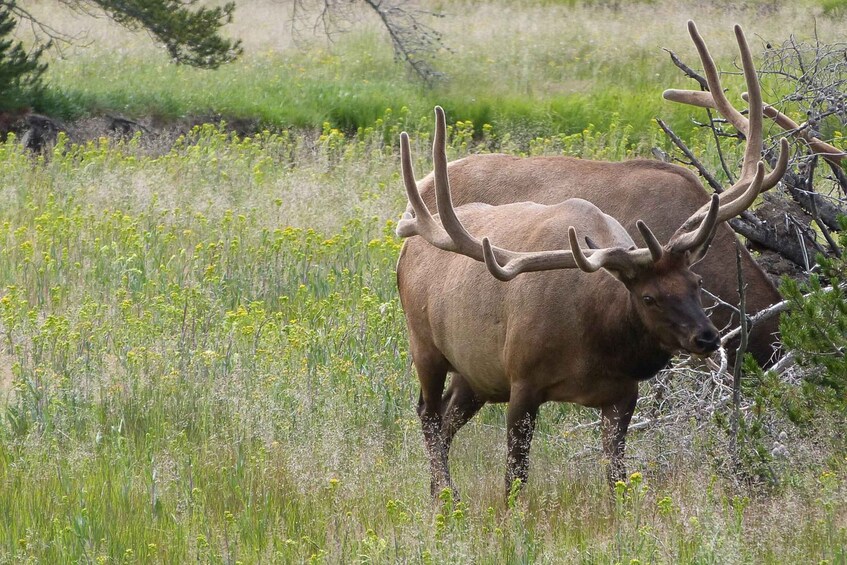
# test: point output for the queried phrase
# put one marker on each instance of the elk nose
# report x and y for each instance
(708, 340)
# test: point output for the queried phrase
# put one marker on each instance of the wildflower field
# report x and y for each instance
(203, 359)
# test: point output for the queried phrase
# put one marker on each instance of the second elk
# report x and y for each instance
(525, 316)
(662, 194)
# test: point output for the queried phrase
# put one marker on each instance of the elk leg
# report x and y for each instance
(459, 405)
(520, 424)
(432, 376)
(614, 421)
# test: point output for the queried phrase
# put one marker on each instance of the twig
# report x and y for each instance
(836, 250)
(694, 161)
(689, 72)
(722, 302)
(739, 362)
(769, 312)
(716, 135)
(840, 176)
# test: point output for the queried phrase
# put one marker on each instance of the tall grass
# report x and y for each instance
(205, 359)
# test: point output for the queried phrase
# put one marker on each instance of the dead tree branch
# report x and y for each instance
(704, 172)
(415, 42)
(739, 362)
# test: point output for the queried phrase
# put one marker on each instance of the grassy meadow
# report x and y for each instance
(526, 68)
(204, 357)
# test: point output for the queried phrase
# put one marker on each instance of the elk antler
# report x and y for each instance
(716, 99)
(751, 128)
(451, 235)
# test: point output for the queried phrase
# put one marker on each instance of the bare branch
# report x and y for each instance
(414, 41)
(704, 172)
(689, 72)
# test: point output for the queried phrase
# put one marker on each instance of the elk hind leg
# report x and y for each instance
(432, 373)
(459, 404)
(520, 425)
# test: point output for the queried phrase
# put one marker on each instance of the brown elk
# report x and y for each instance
(663, 195)
(557, 333)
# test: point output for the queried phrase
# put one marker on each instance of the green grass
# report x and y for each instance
(205, 359)
(278, 92)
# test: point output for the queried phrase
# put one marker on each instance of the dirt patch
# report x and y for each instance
(38, 132)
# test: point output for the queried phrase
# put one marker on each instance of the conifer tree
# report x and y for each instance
(20, 71)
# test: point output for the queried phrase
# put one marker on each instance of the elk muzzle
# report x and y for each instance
(704, 340)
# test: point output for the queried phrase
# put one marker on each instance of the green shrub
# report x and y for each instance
(816, 328)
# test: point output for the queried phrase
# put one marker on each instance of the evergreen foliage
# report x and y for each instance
(20, 71)
(191, 37)
(816, 328)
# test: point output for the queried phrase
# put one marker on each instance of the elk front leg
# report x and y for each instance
(614, 421)
(520, 424)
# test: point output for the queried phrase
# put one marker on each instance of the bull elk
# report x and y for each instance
(662, 194)
(554, 331)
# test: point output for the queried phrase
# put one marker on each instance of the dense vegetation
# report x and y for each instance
(204, 358)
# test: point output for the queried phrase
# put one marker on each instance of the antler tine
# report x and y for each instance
(697, 98)
(779, 167)
(423, 223)
(656, 250)
(465, 242)
(682, 241)
(583, 262)
(731, 209)
(721, 103)
(753, 149)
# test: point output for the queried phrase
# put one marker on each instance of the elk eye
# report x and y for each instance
(648, 300)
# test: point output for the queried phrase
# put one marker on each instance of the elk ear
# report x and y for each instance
(627, 275)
